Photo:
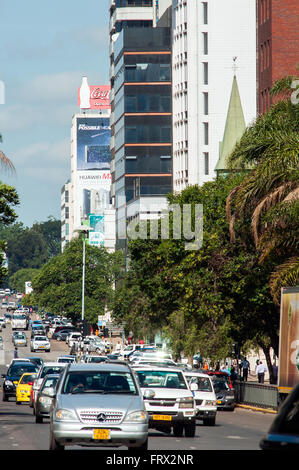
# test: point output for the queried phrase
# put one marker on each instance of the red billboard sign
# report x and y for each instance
(98, 97)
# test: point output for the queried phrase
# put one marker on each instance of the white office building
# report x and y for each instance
(213, 41)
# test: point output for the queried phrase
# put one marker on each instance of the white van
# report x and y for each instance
(202, 388)
(19, 321)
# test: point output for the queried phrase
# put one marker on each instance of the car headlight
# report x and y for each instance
(45, 400)
(65, 415)
(186, 402)
(211, 402)
(136, 417)
(8, 383)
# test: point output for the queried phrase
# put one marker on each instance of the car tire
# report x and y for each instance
(18, 402)
(39, 419)
(54, 445)
(178, 430)
(190, 429)
(209, 421)
(4, 397)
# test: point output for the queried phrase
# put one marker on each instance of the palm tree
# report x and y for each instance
(5, 162)
(268, 197)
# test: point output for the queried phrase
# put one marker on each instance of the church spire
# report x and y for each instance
(234, 127)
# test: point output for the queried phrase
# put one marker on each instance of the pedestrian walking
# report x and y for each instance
(260, 371)
(15, 353)
(246, 368)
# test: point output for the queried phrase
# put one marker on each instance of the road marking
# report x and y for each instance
(235, 437)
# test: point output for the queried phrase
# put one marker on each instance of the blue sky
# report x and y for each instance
(45, 49)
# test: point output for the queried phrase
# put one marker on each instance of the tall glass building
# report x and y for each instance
(141, 114)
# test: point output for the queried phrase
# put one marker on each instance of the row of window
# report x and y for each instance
(133, 3)
(147, 186)
(147, 133)
(148, 103)
(146, 72)
(120, 25)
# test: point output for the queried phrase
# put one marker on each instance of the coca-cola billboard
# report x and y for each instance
(98, 97)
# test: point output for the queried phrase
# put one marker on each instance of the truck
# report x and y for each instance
(19, 321)
(288, 371)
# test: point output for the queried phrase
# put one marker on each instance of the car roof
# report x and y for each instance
(195, 374)
(101, 366)
(51, 364)
(158, 369)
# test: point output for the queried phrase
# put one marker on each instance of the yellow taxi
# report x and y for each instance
(23, 389)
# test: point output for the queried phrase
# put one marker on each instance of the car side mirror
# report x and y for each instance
(50, 392)
(3, 376)
(148, 394)
(194, 387)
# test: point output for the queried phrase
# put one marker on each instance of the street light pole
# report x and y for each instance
(83, 282)
(84, 229)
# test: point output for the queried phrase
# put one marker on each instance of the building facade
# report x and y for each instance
(277, 45)
(141, 112)
(65, 214)
(212, 41)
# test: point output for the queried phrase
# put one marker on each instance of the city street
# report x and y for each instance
(238, 430)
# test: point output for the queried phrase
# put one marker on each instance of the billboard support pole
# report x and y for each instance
(84, 230)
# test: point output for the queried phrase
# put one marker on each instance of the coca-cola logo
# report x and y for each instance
(99, 94)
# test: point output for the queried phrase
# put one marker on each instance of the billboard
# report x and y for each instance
(97, 234)
(92, 194)
(93, 143)
(288, 373)
(98, 97)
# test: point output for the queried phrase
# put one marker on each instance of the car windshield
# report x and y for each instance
(220, 384)
(27, 378)
(104, 382)
(40, 338)
(96, 359)
(19, 317)
(203, 383)
(20, 335)
(18, 370)
(49, 382)
(51, 370)
(161, 379)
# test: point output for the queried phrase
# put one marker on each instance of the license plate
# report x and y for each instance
(219, 402)
(103, 434)
(162, 417)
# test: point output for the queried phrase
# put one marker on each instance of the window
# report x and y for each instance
(206, 162)
(205, 103)
(205, 13)
(206, 133)
(205, 73)
(205, 43)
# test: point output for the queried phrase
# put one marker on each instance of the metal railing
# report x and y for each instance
(259, 395)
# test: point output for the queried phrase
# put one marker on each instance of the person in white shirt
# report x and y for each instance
(118, 347)
(260, 371)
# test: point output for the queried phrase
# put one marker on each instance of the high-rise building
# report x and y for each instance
(141, 110)
(65, 214)
(278, 45)
(212, 41)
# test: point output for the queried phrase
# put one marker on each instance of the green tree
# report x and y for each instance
(269, 196)
(58, 284)
(8, 200)
(18, 279)
(203, 299)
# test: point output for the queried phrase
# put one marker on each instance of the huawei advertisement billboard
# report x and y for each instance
(92, 165)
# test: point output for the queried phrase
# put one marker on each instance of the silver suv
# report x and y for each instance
(98, 405)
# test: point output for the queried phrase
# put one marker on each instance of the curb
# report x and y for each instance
(255, 408)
